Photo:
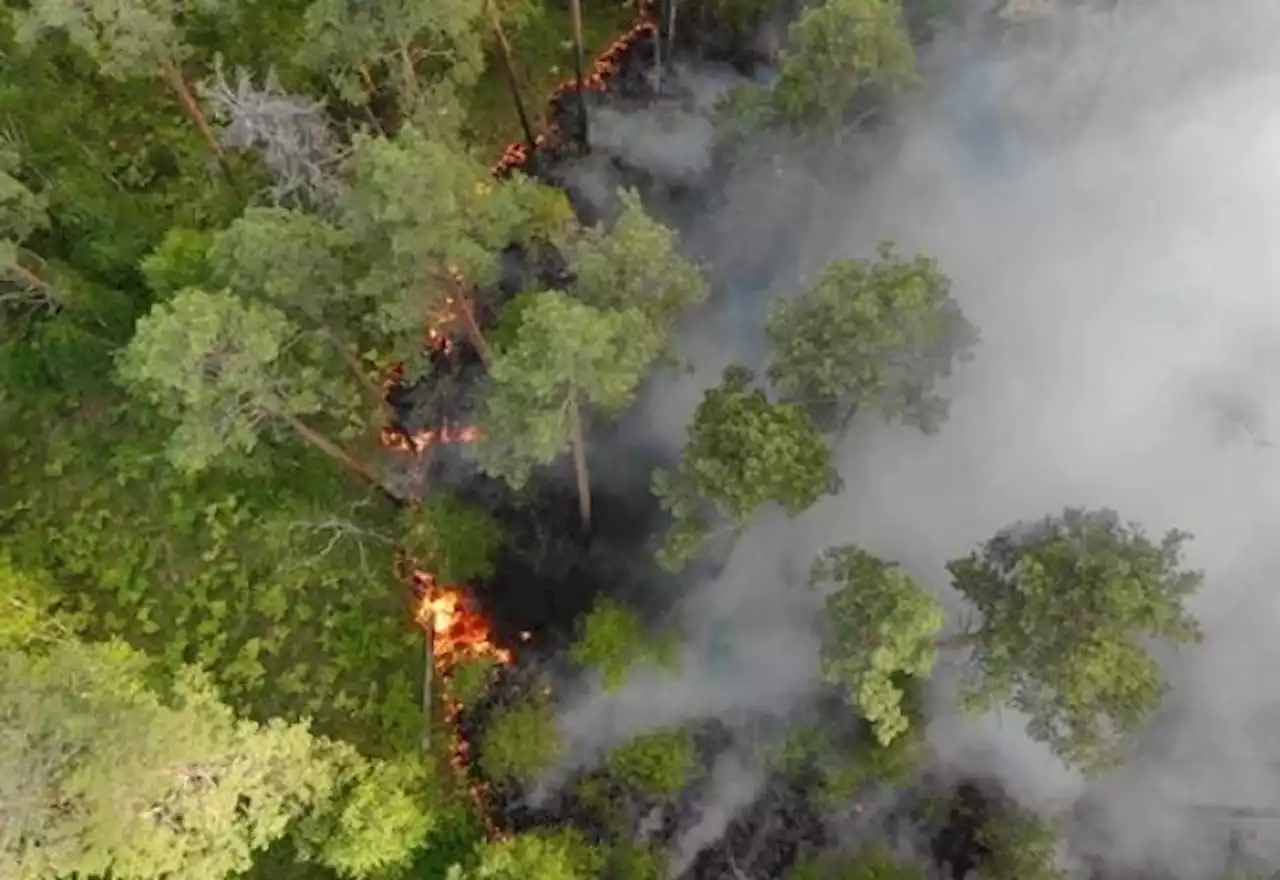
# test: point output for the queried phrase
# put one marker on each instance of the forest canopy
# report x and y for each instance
(315, 374)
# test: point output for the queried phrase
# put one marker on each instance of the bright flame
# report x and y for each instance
(457, 629)
(594, 79)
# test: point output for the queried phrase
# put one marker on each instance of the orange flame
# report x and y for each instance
(595, 79)
(456, 627)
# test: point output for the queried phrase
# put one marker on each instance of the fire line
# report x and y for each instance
(456, 628)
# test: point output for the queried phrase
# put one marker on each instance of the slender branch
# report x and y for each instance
(328, 447)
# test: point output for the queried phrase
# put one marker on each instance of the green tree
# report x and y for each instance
(882, 626)
(102, 775)
(613, 641)
(1018, 845)
(743, 452)
(520, 740)
(566, 357)
(430, 223)
(125, 38)
(634, 264)
(430, 50)
(380, 814)
(839, 51)
(874, 862)
(221, 368)
(299, 264)
(557, 854)
(871, 333)
(657, 764)
(1069, 606)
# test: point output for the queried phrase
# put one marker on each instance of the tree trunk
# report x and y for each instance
(29, 278)
(578, 63)
(371, 389)
(473, 329)
(178, 82)
(428, 677)
(410, 76)
(329, 448)
(657, 52)
(509, 69)
(580, 462)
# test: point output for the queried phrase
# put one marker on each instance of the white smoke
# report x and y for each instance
(1106, 201)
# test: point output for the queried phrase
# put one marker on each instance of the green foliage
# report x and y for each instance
(566, 356)
(547, 855)
(879, 625)
(126, 38)
(346, 42)
(290, 260)
(1019, 846)
(658, 764)
(874, 862)
(214, 365)
(632, 861)
(469, 679)
(23, 212)
(180, 261)
(843, 766)
(113, 778)
(270, 581)
(875, 333)
(418, 207)
(1069, 605)
(613, 641)
(838, 51)
(455, 540)
(743, 452)
(377, 821)
(635, 265)
(520, 740)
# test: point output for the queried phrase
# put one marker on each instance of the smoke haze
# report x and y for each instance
(1107, 203)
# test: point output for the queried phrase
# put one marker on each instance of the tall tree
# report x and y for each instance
(222, 368)
(579, 64)
(101, 775)
(634, 264)
(126, 38)
(509, 71)
(882, 626)
(839, 50)
(432, 50)
(566, 359)
(1069, 607)
(301, 264)
(871, 333)
(431, 223)
(743, 452)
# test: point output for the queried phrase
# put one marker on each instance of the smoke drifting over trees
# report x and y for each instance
(1101, 192)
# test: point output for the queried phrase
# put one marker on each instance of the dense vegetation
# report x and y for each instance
(223, 223)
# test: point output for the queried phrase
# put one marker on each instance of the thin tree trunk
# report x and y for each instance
(509, 69)
(371, 389)
(329, 448)
(409, 73)
(474, 334)
(428, 677)
(580, 461)
(671, 30)
(178, 82)
(578, 64)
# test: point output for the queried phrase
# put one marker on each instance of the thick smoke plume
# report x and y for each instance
(1104, 191)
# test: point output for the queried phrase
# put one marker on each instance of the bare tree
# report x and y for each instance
(291, 133)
